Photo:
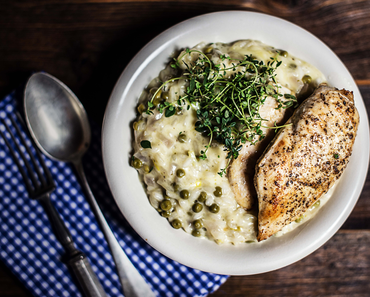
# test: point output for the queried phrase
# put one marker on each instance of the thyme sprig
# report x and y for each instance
(227, 99)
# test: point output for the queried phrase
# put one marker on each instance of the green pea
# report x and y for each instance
(157, 101)
(214, 208)
(196, 233)
(202, 197)
(176, 223)
(184, 194)
(165, 214)
(180, 173)
(137, 163)
(306, 79)
(165, 205)
(158, 95)
(135, 125)
(165, 95)
(198, 224)
(218, 192)
(197, 207)
(182, 138)
(208, 50)
(141, 108)
(283, 53)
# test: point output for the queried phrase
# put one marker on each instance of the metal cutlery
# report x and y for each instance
(39, 185)
(59, 125)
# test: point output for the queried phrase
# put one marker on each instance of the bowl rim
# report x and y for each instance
(161, 45)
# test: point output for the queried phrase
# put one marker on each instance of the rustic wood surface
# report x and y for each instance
(87, 43)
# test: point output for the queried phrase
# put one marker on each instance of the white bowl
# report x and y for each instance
(129, 193)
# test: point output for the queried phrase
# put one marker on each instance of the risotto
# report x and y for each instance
(182, 167)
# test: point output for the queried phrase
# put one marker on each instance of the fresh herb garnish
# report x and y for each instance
(170, 111)
(146, 144)
(227, 99)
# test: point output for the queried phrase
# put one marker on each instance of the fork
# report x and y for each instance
(39, 186)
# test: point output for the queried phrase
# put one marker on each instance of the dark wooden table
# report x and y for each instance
(87, 44)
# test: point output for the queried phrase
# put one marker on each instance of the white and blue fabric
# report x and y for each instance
(30, 250)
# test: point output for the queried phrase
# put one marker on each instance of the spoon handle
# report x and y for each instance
(132, 282)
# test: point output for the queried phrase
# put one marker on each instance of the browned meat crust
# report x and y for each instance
(305, 159)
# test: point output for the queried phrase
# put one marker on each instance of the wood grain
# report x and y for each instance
(360, 216)
(340, 268)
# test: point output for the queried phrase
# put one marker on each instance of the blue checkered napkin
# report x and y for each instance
(29, 248)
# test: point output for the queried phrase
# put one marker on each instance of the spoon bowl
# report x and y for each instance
(56, 118)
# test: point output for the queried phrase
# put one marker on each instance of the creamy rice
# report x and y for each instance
(171, 150)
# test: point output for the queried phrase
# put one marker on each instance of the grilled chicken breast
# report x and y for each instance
(305, 159)
(241, 171)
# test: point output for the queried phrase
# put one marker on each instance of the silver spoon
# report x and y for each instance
(59, 125)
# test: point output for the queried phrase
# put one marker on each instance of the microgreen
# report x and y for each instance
(146, 144)
(227, 99)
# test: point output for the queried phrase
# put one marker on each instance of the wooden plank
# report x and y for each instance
(360, 216)
(340, 268)
(88, 43)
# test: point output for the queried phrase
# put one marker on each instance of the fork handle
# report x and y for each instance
(61, 232)
(85, 276)
(74, 258)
